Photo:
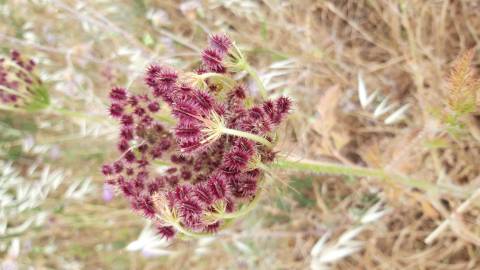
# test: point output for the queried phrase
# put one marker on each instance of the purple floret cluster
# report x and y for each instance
(16, 75)
(185, 164)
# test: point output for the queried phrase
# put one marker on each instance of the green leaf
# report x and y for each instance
(264, 30)
(13, 153)
(301, 187)
(436, 143)
(40, 100)
(148, 40)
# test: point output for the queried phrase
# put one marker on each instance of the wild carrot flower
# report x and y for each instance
(19, 85)
(210, 154)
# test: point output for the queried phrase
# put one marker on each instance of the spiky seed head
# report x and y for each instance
(220, 42)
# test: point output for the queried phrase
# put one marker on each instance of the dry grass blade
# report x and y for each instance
(463, 85)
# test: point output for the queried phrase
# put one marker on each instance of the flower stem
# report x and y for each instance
(261, 87)
(163, 163)
(187, 232)
(65, 112)
(242, 64)
(339, 169)
(230, 83)
(247, 135)
(11, 108)
(245, 209)
(165, 118)
(57, 111)
(13, 92)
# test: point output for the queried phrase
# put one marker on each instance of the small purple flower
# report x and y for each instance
(108, 192)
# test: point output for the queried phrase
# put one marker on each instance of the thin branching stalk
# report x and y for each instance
(339, 169)
(58, 111)
(247, 135)
(242, 64)
(261, 87)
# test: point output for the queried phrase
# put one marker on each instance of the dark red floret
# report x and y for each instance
(236, 160)
(188, 131)
(145, 205)
(129, 171)
(189, 207)
(123, 145)
(116, 110)
(204, 100)
(153, 106)
(182, 193)
(127, 188)
(172, 170)
(190, 146)
(118, 166)
(186, 110)
(126, 133)
(130, 156)
(269, 108)
(245, 145)
(203, 194)
(217, 186)
(220, 42)
(139, 111)
(186, 175)
(126, 120)
(118, 94)
(284, 105)
(107, 170)
(212, 59)
(168, 232)
(213, 227)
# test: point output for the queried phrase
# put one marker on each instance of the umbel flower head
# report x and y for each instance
(197, 168)
(19, 85)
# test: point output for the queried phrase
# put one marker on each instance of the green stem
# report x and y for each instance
(187, 232)
(163, 163)
(243, 211)
(11, 108)
(165, 117)
(247, 135)
(258, 81)
(13, 92)
(339, 169)
(58, 111)
(65, 112)
(242, 64)
(328, 168)
(224, 79)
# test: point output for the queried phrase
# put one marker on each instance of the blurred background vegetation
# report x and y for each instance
(375, 83)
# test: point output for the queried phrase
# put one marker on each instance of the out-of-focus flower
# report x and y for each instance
(10, 261)
(108, 192)
(150, 243)
(214, 145)
(19, 85)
